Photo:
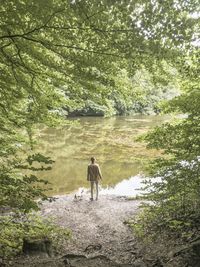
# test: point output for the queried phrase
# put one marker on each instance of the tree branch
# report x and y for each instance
(34, 29)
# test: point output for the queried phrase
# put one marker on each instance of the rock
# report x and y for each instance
(92, 248)
(157, 263)
(139, 263)
(191, 254)
(40, 247)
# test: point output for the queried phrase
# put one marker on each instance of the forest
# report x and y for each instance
(62, 59)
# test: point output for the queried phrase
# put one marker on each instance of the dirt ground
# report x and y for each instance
(100, 236)
(98, 227)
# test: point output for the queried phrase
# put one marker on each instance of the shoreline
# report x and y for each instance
(129, 188)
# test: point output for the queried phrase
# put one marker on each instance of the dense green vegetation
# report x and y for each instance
(175, 192)
(14, 230)
(143, 97)
(56, 54)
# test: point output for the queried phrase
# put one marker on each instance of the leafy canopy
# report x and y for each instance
(56, 54)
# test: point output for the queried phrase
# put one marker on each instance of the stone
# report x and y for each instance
(39, 247)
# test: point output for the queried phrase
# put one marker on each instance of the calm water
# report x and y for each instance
(110, 140)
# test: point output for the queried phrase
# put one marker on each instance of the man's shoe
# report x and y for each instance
(91, 199)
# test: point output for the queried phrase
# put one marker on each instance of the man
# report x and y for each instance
(93, 175)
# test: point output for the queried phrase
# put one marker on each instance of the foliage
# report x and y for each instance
(136, 94)
(91, 108)
(175, 193)
(13, 230)
(56, 54)
(19, 190)
(151, 93)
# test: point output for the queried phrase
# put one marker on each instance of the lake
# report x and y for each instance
(112, 141)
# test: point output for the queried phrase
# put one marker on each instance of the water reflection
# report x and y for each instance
(132, 187)
(128, 187)
(110, 140)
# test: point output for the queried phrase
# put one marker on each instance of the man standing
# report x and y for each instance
(93, 175)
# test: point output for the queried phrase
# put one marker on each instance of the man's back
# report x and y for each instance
(94, 172)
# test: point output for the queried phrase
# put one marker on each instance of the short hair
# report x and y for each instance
(92, 159)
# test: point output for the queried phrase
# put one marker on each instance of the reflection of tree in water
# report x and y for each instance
(110, 140)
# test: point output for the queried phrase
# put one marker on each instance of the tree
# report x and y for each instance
(175, 194)
(51, 48)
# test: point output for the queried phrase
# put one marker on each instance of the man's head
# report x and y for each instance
(93, 159)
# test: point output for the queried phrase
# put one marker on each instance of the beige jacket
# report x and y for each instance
(93, 172)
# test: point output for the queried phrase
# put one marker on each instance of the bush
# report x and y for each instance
(16, 228)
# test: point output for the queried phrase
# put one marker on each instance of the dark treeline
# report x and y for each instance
(144, 96)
